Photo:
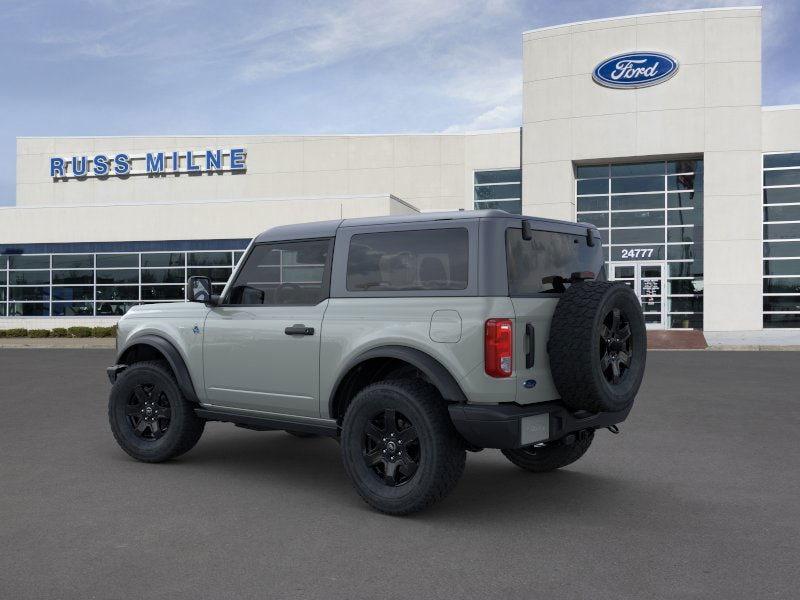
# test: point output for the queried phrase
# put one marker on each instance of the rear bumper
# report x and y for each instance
(513, 426)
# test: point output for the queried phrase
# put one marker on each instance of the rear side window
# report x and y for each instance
(531, 263)
(284, 273)
(431, 259)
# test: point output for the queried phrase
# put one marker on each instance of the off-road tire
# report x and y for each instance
(576, 346)
(551, 456)
(184, 429)
(441, 451)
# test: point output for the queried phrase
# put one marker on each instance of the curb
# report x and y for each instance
(58, 343)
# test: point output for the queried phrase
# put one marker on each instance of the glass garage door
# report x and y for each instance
(651, 213)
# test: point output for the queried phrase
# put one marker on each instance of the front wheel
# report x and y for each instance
(540, 458)
(399, 446)
(149, 417)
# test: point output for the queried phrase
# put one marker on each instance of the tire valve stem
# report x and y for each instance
(613, 429)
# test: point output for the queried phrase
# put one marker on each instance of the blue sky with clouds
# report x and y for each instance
(152, 67)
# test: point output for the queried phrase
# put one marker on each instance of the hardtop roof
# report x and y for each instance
(322, 229)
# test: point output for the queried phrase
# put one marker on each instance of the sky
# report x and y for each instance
(173, 67)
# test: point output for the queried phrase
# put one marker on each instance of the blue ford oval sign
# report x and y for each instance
(635, 70)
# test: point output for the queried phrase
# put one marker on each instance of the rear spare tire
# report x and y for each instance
(598, 346)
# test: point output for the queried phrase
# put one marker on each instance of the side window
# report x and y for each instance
(284, 273)
(431, 259)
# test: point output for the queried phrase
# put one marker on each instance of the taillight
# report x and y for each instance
(498, 348)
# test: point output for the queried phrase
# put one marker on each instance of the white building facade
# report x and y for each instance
(693, 183)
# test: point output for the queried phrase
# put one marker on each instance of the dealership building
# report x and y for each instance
(650, 127)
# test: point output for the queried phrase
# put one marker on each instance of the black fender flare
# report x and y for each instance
(438, 375)
(173, 357)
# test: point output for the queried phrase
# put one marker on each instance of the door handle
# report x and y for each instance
(530, 343)
(299, 329)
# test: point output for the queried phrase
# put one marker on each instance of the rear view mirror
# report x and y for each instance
(199, 289)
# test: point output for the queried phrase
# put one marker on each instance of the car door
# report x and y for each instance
(261, 344)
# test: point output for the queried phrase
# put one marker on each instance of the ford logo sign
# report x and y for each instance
(635, 70)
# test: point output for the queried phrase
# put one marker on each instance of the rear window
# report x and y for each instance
(532, 263)
(431, 259)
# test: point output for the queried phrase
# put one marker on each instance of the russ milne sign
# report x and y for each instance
(635, 70)
(152, 163)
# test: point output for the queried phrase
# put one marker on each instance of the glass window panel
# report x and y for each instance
(782, 249)
(782, 195)
(28, 309)
(686, 321)
(118, 292)
(303, 274)
(215, 274)
(637, 236)
(72, 292)
(499, 176)
(73, 261)
(782, 285)
(164, 259)
(788, 177)
(2, 294)
(782, 231)
(2, 310)
(163, 276)
(684, 217)
(3, 262)
(163, 292)
(782, 213)
(117, 260)
(113, 308)
(685, 286)
(498, 192)
(650, 271)
(623, 272)
(29, 277)
(643, 252)
(693, 304)
(776, 321)
(637, 219)
(592, 186)
(637, 201)
(237, 257)
(784, 303)
(683, 182)
(685, 199)
(680, 252)
(511, 206)
(593, 203)
(262, 281)
(423, 260)
(637, 184)
(118, 276)
(648, 168)
(73, 309)
(587, 171)
(73, 277)
(24, 261)
(210, 259)
(216, 288)
(684, 166)
(29, 293)
(597, 219)
(789, 159)
(680, 234)
(782, 267)
(2, 277)
(681, 269)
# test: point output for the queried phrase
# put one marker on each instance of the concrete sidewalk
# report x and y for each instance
(54, 343)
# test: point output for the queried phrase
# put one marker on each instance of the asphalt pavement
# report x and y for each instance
(698, 497)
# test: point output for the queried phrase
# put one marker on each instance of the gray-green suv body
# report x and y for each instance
(410, 339)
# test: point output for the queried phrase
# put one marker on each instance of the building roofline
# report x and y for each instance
(264, 135)
(651, 14)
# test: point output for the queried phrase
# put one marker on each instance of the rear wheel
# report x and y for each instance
(540, 458)
(149, 417)
(399, 447)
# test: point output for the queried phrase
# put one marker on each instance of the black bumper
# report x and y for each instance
(513, 426)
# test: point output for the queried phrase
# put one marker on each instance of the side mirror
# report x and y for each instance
(198, 289)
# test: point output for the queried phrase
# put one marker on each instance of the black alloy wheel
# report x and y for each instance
(149, 412)
(615, 346)
(391, 447)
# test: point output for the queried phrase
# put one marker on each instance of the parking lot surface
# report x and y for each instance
(698, 497)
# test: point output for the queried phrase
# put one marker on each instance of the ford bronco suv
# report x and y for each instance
(410, 339)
